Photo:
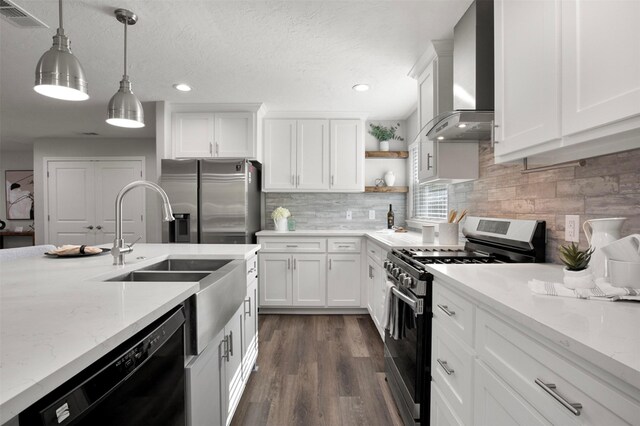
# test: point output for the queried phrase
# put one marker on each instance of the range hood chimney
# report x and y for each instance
(473, 86)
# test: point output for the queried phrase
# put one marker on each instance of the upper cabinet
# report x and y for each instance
(567, 78)
(313, 155)
(209, 130)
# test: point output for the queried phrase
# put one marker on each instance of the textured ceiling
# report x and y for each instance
(290, 55)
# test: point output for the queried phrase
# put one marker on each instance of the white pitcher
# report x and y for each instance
(601, 232)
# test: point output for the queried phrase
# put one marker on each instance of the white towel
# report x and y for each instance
(602, 291)
(387, 314)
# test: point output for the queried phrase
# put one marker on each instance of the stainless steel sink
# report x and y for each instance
(188, 265)
(161, 276)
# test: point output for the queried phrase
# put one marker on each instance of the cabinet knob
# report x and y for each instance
(89, 227)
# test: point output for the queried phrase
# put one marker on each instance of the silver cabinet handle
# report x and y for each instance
(370, 271)
(225, 343)
(293, 181)
(99, 227)
(493, 133)
(550, 388)
(289, 263)
(446, 310)
(89, 227)
(294, 263)
(298, 180)
(248, 299)
(292, 245)
(344, 246)
(230, 344)
(332, 180)
(445, 367)
(211, 149)
(329, 263)
(429, 157)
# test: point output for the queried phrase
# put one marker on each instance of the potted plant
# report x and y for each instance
(279, 217)
(384, 134)
(577, 273)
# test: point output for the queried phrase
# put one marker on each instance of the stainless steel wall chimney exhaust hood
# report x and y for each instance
(472, 118)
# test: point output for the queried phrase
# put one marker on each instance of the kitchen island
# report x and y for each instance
(59, 315)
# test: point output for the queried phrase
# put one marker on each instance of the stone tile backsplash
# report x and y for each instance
(607, 186)
(328, 210)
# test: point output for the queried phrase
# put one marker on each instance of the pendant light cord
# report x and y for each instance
(126, 24)
(60, 27)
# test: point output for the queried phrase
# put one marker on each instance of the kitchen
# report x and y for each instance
(273, 83)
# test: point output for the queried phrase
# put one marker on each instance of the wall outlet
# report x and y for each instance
(572, 228)
(349, 215)
(372, 214)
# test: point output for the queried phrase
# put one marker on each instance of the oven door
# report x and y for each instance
(407, 355)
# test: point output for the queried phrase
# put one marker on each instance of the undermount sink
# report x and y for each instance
(161, 276)
(188, 265)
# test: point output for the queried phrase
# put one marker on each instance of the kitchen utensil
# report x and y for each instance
(624, 274)
(448, 234)
(464, 213)
(601, 232)
(428, 233)
(625, 249)
(452, 216)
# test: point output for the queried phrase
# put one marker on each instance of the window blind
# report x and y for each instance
(430, 201)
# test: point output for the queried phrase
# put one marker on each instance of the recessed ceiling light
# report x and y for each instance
(183, 87)
(440, 138)
(462, 125)
(361, 87)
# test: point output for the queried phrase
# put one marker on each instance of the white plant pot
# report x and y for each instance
(578, 279)
(281, 224)
(384, 145)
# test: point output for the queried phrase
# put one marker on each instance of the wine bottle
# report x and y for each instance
(390, 218)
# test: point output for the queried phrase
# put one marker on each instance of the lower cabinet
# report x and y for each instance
(309, 279)
(343, 280)
(376, 285)
(250, 331)
(233, 366)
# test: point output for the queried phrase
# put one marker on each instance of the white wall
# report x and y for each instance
(376, 167)
(413, 126)
(14, 160)
(95, 147)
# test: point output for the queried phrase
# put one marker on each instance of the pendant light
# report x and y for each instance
(59, 74)
(125, 110)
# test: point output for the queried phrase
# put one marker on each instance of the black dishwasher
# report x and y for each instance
(141, 382)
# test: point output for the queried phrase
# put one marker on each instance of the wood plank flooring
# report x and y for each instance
(318, 370)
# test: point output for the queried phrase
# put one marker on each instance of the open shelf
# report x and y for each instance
(386, 189)
(386, 154)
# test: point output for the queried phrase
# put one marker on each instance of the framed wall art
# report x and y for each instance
(19, 194)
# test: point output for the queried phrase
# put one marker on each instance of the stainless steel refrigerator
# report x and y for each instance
(214, 201)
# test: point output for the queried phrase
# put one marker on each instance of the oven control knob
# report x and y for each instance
(407, 281)
(389, 266)
(386, 264)
(395, 272)
(401, 277)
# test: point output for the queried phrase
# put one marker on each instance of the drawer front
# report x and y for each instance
(527, 365)
(375, 252)
(454, 311)
(440, 413)
(293, 245)
(342, 245)
(252, 269)
(452, 371)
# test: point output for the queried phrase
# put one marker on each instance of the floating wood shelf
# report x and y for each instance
(386, 154)
(386, 189)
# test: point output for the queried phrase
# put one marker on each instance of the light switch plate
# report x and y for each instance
(572, 228)
(372, 214)
(349, 215)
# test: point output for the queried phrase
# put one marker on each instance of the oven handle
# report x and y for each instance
(415, 305)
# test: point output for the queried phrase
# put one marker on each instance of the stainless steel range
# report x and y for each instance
(408, 342)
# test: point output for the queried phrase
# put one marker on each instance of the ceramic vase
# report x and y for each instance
(281, 224)
(384, 145)
(601, 232)
(389, 178)
(578, 279)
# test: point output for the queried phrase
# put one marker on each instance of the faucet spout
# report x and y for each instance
(119, 247)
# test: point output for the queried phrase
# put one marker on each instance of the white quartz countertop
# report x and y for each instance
(604, 333)
(384, 237)
(57, 316)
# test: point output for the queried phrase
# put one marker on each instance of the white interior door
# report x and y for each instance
(110, 178)
(71, 202)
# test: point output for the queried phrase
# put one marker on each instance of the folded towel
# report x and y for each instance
(386, 316)
(69, 250)
(602, 291)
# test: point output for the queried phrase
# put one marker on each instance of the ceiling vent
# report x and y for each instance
(19, 17)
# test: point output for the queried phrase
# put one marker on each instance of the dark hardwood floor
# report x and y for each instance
(318, 370)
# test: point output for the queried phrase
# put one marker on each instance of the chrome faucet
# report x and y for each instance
(120, 248)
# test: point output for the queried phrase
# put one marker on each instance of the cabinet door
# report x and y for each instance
(234, 135)
(527, 102)
(343, 280)
(427, 162)
(312, 153)
(347, 155)
(206, 397)
(371, 288)
(380, 296)
(309, 279)
(275, 279)
(496, 404)
(193, 134)
(441, 413)
(71, 202)
(600, 62)
(110, 178)
(279, 154)
(250, 334)
(233, 367)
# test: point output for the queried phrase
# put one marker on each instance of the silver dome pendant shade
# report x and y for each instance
(125, 110)
(59, 74)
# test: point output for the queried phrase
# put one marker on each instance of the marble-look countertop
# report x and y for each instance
(385, 238)
(57, 316)
(606, 334)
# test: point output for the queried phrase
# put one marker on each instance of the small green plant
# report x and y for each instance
(574, 258)
(383, 133)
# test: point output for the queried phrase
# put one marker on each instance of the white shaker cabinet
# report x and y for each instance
(527, 74)
(279, 167)
(343, 280)
(347, 155)
(218, 135)
(275, 279)
(309, 279)
(292, 280)
(447, 162)
(312, 155)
